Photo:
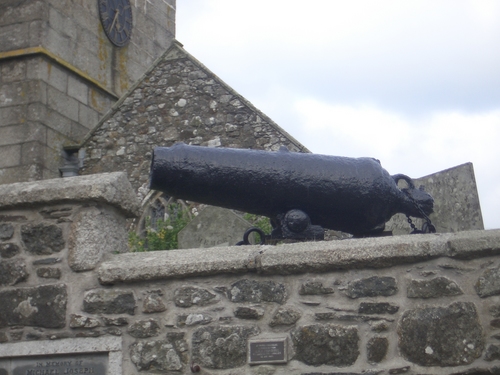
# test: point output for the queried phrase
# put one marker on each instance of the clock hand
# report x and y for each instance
(115, 19)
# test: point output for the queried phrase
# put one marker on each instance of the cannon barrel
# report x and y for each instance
(354, 195)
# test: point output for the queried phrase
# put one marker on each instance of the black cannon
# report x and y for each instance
(303, 194)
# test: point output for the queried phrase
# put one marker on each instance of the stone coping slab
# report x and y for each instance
(168, 264)
(299, 257)
(111, 188)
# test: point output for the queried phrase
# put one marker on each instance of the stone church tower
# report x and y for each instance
(63, 64)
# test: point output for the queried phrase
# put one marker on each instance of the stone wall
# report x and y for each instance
(59, 75)
(42, 109)
(422, 304)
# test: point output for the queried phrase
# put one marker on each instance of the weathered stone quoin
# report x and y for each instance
(416, 304)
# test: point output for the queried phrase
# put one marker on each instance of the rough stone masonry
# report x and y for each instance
(421, 304)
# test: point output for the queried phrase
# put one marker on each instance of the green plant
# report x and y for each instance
(162, 235)
(260, 222)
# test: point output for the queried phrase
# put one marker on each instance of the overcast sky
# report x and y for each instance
(415, 84)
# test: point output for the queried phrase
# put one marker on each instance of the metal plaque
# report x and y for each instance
(95, 364)
(268, 351)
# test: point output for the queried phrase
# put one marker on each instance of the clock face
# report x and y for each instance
(116, 19)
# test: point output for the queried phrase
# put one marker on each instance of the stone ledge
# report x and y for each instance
(377, 252)
(299, 257)
(169, 264)
(111, 188)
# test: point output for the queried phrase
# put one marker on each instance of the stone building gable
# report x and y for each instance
(178, 99)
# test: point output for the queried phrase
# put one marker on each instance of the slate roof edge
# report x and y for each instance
(463, 165)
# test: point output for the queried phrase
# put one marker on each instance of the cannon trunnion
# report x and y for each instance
(301, 193)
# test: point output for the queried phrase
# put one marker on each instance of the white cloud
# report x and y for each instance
(443, 136)
(416, 53)
(348, 130)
